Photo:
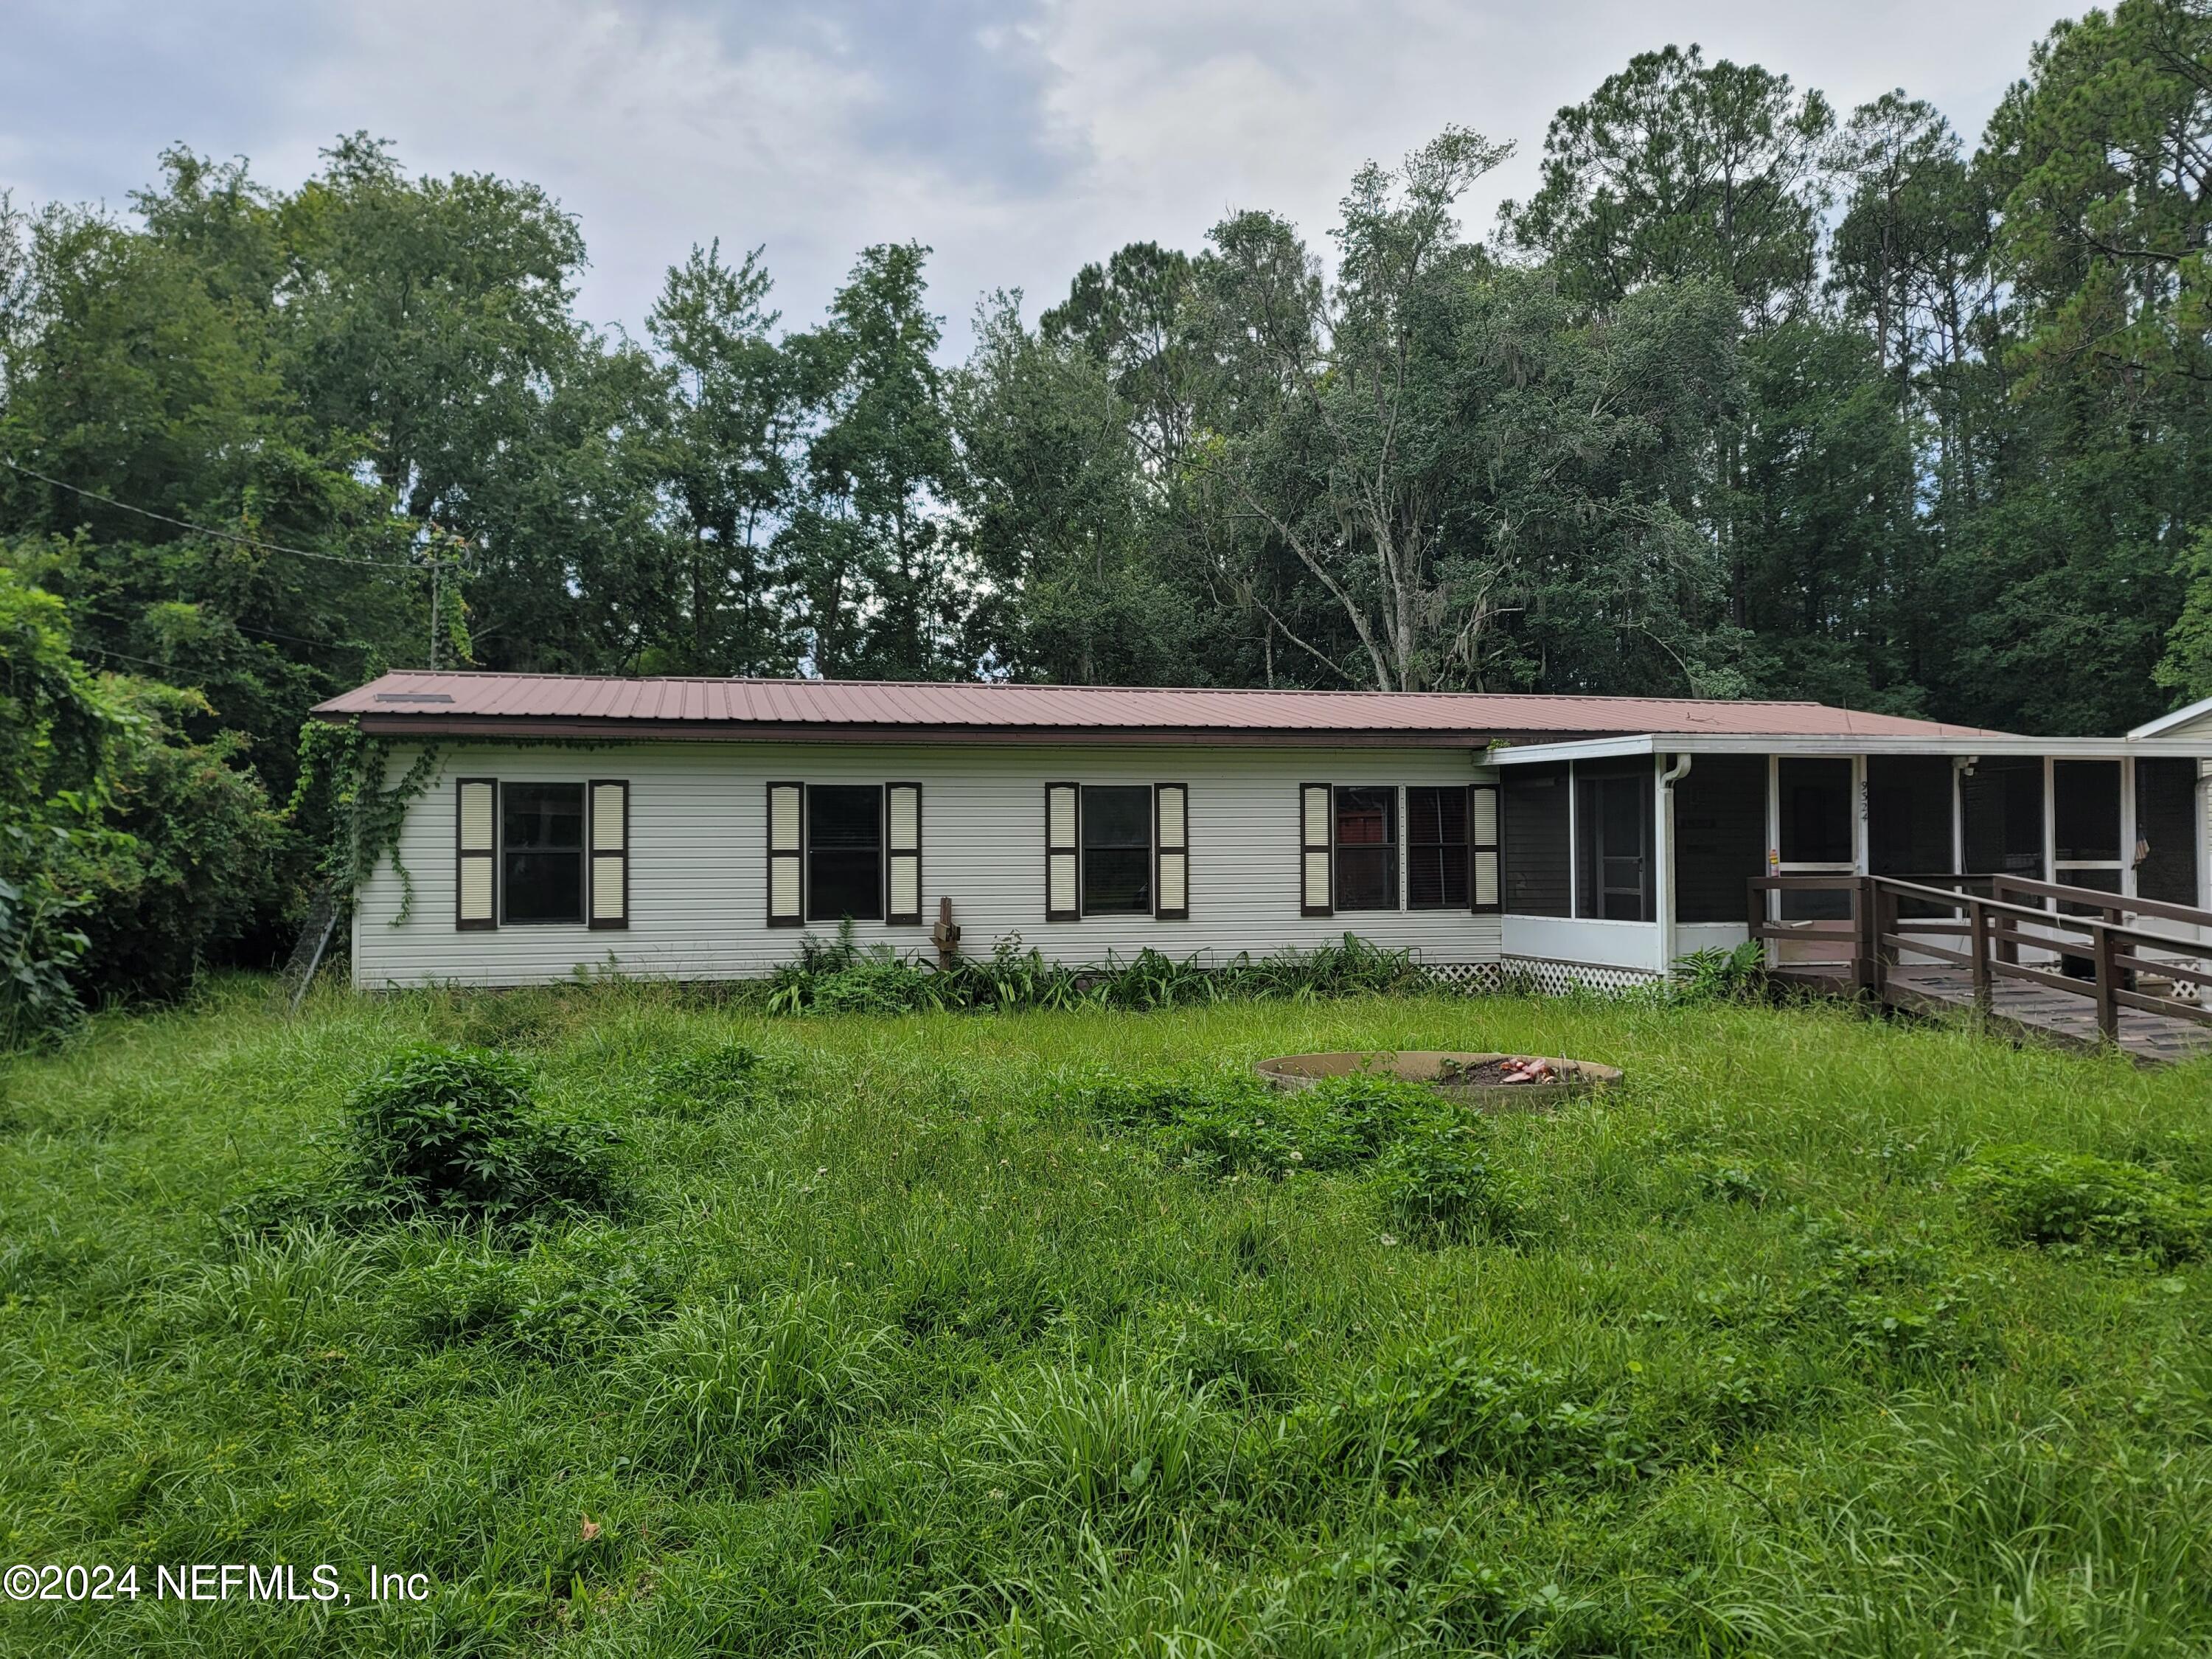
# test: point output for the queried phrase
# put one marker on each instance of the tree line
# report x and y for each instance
(1750, 396)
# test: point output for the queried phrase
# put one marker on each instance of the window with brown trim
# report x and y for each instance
(844, 852)
(1437, 851)
(1365, 832)
(541, 853)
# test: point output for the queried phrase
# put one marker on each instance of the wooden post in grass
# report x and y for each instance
(2108, 1006)
(1979, 921)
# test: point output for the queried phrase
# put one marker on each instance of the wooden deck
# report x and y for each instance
(2023, 1011)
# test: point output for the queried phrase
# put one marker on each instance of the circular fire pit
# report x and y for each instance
(1474, 1080)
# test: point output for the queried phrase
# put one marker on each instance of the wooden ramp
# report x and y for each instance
(2006, 955)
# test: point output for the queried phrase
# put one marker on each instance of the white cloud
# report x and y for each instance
(1020, 140)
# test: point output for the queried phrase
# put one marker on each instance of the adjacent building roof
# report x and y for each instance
(2181, 723)
(414, 700)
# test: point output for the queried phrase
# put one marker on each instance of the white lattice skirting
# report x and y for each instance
(1533, 973)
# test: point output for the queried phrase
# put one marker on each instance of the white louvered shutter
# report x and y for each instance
(786, 898)
(475, 853)
(1060, 853)
(609, 853)
(1314, 812)
(902, 852)
(1482, 840)
(1172, 851)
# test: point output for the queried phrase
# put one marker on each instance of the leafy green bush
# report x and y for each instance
(456, 1133)
(713, 1080)
(1442, 1183)
(2072, 1200)
(1718, 975)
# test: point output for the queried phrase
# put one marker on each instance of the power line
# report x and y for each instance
(198, 529)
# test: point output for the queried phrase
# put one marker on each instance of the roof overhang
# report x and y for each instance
(1531, 754)
(540, 728)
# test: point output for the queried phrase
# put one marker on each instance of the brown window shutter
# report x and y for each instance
(1484, 889)
(475, 853)
(903, 854)
(1171, 851)
(1316, 814)
(609, 853)
(786, 813)
(1061, 839)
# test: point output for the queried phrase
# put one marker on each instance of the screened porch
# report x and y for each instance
(1627, 855)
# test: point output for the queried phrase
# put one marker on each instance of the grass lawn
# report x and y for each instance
(901, 1341)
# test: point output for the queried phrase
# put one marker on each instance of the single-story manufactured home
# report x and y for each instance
(696, 829)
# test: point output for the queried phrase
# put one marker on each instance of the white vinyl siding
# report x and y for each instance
(697, 841)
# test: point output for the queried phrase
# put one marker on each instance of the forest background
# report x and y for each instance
(1751, 396)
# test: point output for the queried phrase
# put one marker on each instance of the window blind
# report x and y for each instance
(1061, 855)
(1315, 814)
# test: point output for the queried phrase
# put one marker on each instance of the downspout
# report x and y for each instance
(1668, 779)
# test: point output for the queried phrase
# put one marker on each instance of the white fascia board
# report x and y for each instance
(1698, 742)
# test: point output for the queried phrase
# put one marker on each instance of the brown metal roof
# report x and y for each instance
(478, 703)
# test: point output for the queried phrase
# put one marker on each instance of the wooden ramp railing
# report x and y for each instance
(2082, 942)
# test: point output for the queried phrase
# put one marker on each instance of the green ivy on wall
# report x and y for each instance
(346, 767)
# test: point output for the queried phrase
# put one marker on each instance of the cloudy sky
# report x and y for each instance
(1017, 138)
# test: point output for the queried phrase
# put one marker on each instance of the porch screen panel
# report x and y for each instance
(1720, 837)
(1483, 833)
(1314, 812)
(1171, 841)
(609, 853)
(785, 895)
(1534, 854)
(902, 853)
(2001, 802)
(1909, 822)
(1613, 841)
(2167, 823)
(475, 853)
(1061, 855)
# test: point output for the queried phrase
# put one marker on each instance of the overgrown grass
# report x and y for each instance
(1027, 1335)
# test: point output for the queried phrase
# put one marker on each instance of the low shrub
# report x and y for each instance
(838, 975)
(457, 1133)
(717, 1079)
(1442, 1184)
(2074, 1201)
